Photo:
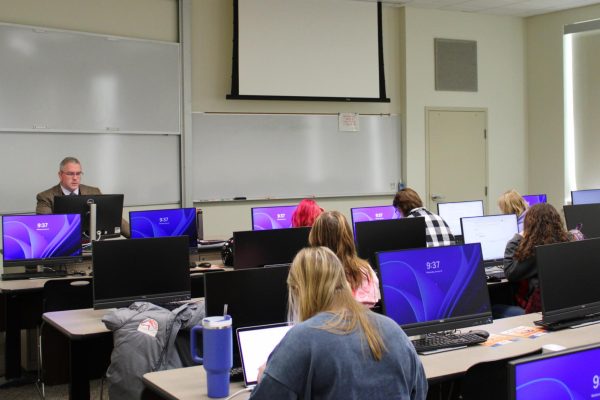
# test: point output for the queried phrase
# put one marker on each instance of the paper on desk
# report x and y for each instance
(530, 332)
(495, 340)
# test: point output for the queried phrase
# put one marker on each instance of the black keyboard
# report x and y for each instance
(495, 272)
(236, 374)
(572, 323)
(33, 275)
(446, 341)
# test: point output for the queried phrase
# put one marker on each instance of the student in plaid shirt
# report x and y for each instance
(437, 233)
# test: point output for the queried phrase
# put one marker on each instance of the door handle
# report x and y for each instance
(436, 197)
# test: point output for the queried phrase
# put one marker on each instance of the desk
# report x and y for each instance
(22, 310)
(184, 384)
(190, 383)
(78, 326)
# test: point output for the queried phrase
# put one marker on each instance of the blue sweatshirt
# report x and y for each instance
(313, 363)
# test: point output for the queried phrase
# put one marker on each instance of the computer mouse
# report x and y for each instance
(482, 333)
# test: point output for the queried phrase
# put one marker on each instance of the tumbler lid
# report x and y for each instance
(221, 321)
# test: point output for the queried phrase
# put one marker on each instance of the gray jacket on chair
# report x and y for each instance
(144, 336)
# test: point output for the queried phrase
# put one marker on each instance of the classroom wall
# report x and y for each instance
(145, 19)
(501, 76)
(545, 100)
(212, 34)
(408, 43)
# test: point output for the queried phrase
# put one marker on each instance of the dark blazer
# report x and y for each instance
(45, 202)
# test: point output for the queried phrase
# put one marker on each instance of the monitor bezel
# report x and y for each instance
(487, 216)
(269, 233)
(291, 207)
(399, 216)
(446, 324)
(514, 364)
(215, 307)
(583, 190)
(418, 230)
(193, 240)
(571, 312)
(457, 202)
(125, 301)
(41, 261)
(80, 204)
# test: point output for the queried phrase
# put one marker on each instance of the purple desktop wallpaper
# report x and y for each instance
(532, 199)
(161, 223)
(433, 283)
(574, 376)
(376, 213)
(264, 218)
(28, 237)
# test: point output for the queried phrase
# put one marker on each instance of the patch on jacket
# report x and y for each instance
(148, 326)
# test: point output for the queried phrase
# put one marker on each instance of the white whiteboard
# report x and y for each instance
(292, 156)
(70, 81)
(143, 167)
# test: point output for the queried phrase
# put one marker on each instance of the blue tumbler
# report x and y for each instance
(217, 342)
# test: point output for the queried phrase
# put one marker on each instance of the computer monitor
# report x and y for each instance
(452, 213)
(391, 234)
(160, 223)
(374, 213)
(532, 199)
(109, 210)
(255, 296)
(434, 289)
(252, 249)
(153, 269)
(585, 217)
(41, 239)
(569, 278)
(589, 196)
(277, 217)
(492, 231)
(566, 374)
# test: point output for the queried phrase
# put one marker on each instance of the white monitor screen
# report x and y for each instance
(590, 196)
(453, 212)
(492, 231)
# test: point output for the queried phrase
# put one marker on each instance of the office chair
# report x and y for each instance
(60, 295)
(488, 380)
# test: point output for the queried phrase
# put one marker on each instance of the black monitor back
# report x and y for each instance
(255, 296)
(109, 211)
(588, 215)
(569, 276)
(392, 234)
(253, 249)
(152, 269)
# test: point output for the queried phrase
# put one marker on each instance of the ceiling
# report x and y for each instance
(518, 8)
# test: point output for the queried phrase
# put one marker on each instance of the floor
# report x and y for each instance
(30, 391)
(58, 392)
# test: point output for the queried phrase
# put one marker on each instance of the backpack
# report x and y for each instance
(227, 253)
(576, 233)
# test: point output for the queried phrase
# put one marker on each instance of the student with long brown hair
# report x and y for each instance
(542, 225)
(331, 229)
(338, 348)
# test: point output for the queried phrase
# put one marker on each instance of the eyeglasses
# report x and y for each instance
(71, 174)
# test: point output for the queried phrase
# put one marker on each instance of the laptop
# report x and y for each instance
(256, 344)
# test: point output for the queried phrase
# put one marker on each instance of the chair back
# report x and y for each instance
(68, 294)
(488, 380)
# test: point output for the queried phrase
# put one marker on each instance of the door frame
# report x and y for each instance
(428, 147)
